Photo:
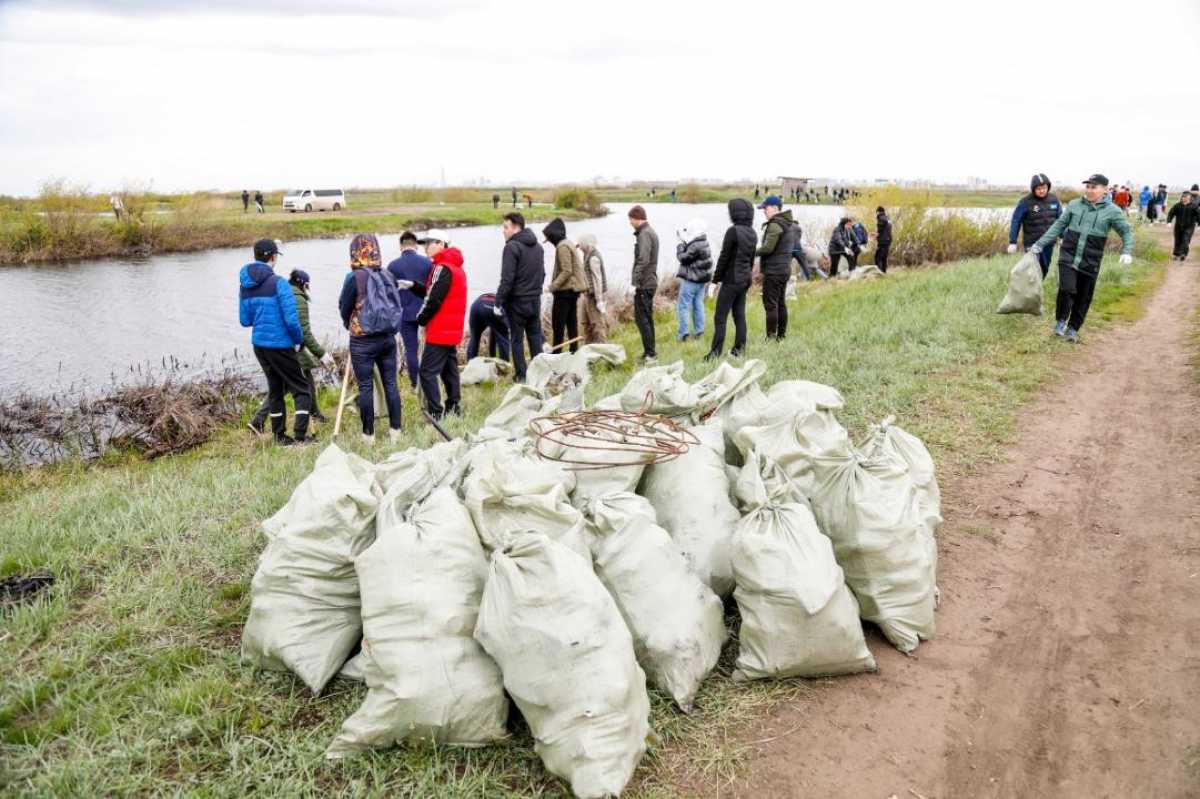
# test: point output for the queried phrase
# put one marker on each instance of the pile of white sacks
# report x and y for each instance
(477, 571)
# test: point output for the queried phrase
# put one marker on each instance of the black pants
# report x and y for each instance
(484, 318)
(775, 304)
(851, 261)
(730, 298)
(284, 376)
(1075, 291)
(881, 255)
(643, 317)
(440, 360)
(1183, 240)
(564, 319)
(524, 324)
(264, 410)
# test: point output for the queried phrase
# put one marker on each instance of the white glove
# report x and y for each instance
(297, 347)
(1036, 250)
(1126, 259)
(1011, 249)
(602, 306)
(404, 284)
(327, 361)
(498, 311)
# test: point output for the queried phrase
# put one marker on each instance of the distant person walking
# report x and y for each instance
(567, 282)
(519, 295)
(883, 238)
(245, 201)
(695, 272)
(1033, 216)
(644, 280)
(442, 315)
(843, 243)
(514, 197)
(1084, 229)
(267, 304)
(482, 317)
(1160, 199)
(310, 355)
(1144, 199)
(592, 305)
(734, 272)
(258, 202)
(1185, 214)
(118, 207)
(371, 311)
(413, 266)
(775, 263)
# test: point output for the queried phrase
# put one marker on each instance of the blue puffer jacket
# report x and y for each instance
(267, 304)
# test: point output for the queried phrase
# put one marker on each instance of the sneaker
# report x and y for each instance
(1072, 335)
(1060, 328)
(394, 436)
(256, 427)
(368, 439)
(735, 353)
(649, 360)
(285, 440)
(712, 356)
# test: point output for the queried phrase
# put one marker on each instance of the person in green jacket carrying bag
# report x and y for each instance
(311, 352)
(1084, 228)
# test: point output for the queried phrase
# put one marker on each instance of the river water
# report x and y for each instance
(89, 324)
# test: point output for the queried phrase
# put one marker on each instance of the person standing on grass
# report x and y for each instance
(775, 263)
(117, 206)
(442, 315)
(1033, 216)
(734, 272)
(644, 280)
(566, 284)
(1144, 202)
(495, 201)
(1160, 199)
(1185, 214)
(371, 311)
(883, 239)
(514, 196)
(311, 352)
(267, 304)
(519, 295)
(1084, 229)
(258, 201)
(413, 267)
(695, 272)
(592, 305)
(245, 201)
(483, 317)
(843, 242)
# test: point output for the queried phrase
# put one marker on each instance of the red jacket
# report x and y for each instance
(445, 307)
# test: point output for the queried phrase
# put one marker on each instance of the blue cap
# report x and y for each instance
(772, 199)
(300, 277)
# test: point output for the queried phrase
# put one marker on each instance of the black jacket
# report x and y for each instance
(1184, 216)
(775, 254)
(695, 260)
(883, 229)
(522, 269)
(843, 242)
(735, 264)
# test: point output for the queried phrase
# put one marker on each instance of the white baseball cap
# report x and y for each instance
(433, 234)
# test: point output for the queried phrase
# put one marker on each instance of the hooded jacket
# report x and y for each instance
(645, 258)
(593, 267)
(883, 229)
(266, 303)
(1184, 216)
(1084, 229)
(776, 251)
(568, 262)
(522, 268)
(735, 264)
(694, 254)
(311, 352)
(843, 242)
(1145, 197)
(1034, 215)
(445, 308)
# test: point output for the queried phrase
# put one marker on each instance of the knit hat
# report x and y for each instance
(637, 212)
(364, 252)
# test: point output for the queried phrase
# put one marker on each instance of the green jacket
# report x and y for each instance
(311, 350)
(1084, 229)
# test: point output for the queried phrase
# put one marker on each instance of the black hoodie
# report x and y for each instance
(735, 265)
(522, 269)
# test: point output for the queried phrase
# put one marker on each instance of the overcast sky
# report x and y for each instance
(192, 94)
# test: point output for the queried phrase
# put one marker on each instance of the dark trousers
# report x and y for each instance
(367, 352)
(775, 305)
(284, 376)
(524, 324)
(1183, 240)
(1045, 258)
(851, 261)
(483, 318)
(564, 321)
(440, 361)
(1075, 291)
(643, 317)
(882, 251)
(264, 410)
(410, 335)
(730, 298)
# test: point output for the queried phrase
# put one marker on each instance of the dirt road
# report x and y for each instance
(1067, 662)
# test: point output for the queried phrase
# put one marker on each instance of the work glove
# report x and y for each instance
(1012, 248)
(297, 347)
(1036, 250)
(327, 361)
(1126, 259)
(404, 284)
(602, 306)
(498, 311)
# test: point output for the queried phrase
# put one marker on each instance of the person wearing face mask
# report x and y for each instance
(1033, 216)
(1084, 228)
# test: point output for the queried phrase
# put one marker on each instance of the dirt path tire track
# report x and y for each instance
(1067, 662)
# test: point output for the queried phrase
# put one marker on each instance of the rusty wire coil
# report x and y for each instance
(648, 439)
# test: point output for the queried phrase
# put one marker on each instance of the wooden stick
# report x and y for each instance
(337, 423)
(566, 343)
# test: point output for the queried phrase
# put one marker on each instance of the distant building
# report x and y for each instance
(790, 185)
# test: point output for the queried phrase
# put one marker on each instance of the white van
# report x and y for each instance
(314, 200)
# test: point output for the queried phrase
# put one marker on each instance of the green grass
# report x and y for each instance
(126, 680)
